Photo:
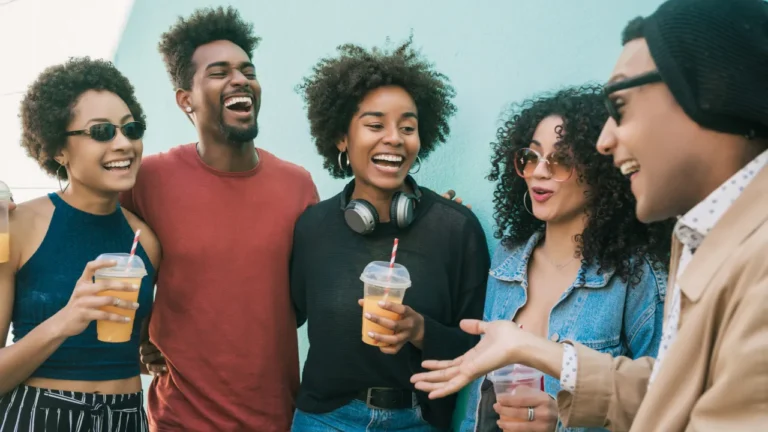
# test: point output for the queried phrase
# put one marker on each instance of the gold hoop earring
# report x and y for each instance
(525, 204)
(58, 177)
(343, 167)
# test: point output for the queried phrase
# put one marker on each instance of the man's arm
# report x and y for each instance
(608, 390)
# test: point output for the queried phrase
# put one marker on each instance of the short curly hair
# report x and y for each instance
(204, 26)
(613, 234)
(337, 86)
(46, 109)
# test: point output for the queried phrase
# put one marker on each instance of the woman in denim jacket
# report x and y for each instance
(574, 262)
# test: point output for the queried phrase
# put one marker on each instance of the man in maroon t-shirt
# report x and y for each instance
(224, 212)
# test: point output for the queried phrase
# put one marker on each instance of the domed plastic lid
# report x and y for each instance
(126, 267)
(379, 273)
(5, 192)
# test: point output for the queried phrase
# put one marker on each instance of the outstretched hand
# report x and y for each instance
(493, 352)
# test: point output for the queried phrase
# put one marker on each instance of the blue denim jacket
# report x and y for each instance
(599, 311)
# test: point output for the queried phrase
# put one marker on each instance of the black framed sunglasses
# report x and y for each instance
(105, 132)
(637, 81)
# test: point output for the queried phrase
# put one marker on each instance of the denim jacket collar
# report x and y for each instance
(514, 266)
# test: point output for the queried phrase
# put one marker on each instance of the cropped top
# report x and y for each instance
(45, 283)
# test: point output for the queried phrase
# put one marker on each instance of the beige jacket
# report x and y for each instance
(715, 375)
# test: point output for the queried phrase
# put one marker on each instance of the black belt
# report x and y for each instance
(387, 398)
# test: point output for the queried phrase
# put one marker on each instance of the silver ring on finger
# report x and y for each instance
(116, 302)
(530, 414)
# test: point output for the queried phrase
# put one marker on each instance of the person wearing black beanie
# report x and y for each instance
(688, 127)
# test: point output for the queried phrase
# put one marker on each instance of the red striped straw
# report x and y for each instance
(133, 248)
(391, 268)
(394, 254)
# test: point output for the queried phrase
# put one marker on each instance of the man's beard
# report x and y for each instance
(238, 135)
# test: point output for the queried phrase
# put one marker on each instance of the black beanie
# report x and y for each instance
(713, 56)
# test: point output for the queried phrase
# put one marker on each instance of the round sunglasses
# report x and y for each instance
(559, 165)
(105, 132)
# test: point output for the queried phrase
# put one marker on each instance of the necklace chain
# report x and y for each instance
(554, 264)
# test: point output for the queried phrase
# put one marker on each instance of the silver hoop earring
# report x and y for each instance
(418, 161)
(58, 177)
(343, 167)
(525, 204)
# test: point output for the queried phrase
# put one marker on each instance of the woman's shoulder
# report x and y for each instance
(29, 224)
(147, 237)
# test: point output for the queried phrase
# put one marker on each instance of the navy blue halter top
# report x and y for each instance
(44, 285)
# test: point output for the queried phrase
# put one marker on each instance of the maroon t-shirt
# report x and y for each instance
(222, 316)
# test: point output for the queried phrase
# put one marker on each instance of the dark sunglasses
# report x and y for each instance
(105, 132)
(640, 80)
(527, 160)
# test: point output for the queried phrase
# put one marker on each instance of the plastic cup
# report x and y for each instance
(381, 283)
(515, 379)
(127, 272)
(5, 231)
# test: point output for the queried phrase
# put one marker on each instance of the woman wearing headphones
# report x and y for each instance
(374, 115)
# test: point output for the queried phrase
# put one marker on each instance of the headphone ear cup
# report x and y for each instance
(401, 210)
(361, 216)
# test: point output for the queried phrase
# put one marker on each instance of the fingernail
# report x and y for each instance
(367, 315)
(134, 286)
(370, 334)
(381, 303)
(126, 319)
(135, 305)
(165, 369)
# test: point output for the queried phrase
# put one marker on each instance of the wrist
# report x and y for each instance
(418, 337)
(54, 327)
(538, 353)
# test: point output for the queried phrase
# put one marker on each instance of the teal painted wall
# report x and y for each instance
(495, 52)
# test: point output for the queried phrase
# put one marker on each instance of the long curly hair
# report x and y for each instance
(613, 235)
(337, 85)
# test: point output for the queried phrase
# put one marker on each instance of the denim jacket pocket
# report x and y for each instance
(611, 345)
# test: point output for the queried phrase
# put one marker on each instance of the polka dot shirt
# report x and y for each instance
(690, 230)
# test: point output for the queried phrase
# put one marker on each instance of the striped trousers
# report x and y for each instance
(28, 409)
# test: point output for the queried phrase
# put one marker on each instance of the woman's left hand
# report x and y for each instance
(409, 328)
(515, 408)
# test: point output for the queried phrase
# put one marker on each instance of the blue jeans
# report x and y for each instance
(356, 416)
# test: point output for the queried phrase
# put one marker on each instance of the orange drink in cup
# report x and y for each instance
(382, 283)
(129, 270)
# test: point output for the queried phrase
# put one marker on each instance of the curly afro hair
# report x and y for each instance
(613, 235)
(204, 26)
(337, 85)
(46, 109)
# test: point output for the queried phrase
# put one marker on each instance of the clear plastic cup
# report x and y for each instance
(127, 272)
(5, 228)
(381, 283)
(516, 379)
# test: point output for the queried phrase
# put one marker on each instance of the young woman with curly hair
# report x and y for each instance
(574, 262)
(374, 114)
(83, 125)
